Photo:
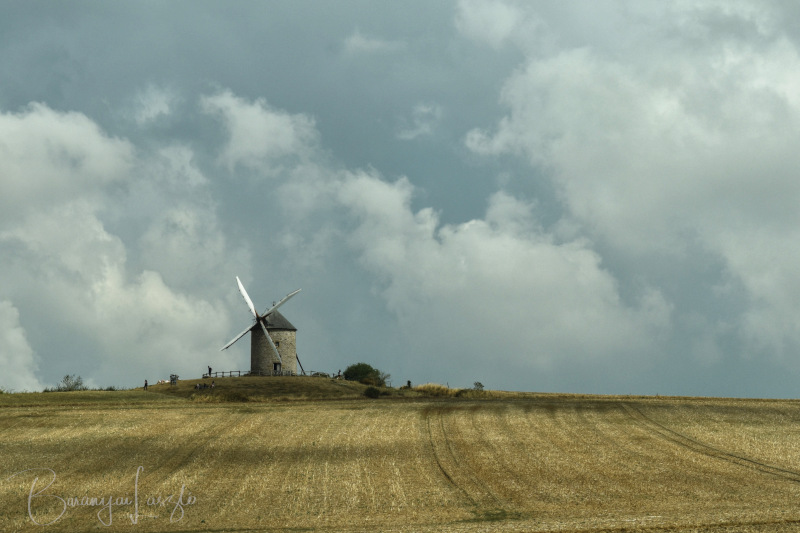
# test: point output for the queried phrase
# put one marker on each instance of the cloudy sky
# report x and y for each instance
(596, 197)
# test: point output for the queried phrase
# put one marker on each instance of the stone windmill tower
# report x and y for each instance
(283, 335)
(273, 345)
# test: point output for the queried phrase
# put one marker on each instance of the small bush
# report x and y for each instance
(435, 389)
(366, 374)
(478, 385)
(69, 383)
(372, 392)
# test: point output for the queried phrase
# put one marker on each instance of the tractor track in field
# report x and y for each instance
(514, 474)
(179, 458)
(623, 445)
(699, 447)
(592, 450)
(635, 455)
(459, 476)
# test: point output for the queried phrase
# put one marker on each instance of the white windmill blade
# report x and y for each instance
(247, 298)
(269, 340)
(236, 338)
(277, 305)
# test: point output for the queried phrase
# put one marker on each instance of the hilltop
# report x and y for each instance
(254, 388)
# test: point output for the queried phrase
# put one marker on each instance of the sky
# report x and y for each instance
(589, 197)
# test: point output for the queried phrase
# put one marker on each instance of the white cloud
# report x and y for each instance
(80, 282)
(357, 43)
(497, 288)
(164, 331)
(76, 274)
(69, 241)
(47, 157)
(767, 262)
(656, 160)
(425, 117)
(489, 21)
(17, 358)
(186, 247)
(152, 103)
(260, 137)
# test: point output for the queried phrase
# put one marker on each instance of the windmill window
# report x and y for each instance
(277, 344)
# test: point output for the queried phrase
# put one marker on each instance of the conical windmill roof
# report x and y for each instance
(277, 321)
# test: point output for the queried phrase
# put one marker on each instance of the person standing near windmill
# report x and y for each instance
(209, 371)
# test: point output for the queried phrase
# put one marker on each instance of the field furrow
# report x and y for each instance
(708, 450)
(446, 441)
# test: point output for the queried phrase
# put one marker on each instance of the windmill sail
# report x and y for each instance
(236, 338)
(277, 305)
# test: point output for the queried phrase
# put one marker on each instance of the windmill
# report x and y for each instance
(272, 339)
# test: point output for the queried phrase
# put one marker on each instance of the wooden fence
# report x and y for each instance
(239, 373)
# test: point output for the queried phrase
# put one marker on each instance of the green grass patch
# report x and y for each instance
(83, 398)
(242, 389)
(261, 389)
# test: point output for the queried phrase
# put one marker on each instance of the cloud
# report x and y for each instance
(357, 43)
(185, 245)
(497, 288)
(47, 157)
(151, 103)
(80, 282)
(163, 330)
(488, 21)
(17, 358)
(424, 119)
(181, 236)
(661, 162)
(260, 137)
(92, 284)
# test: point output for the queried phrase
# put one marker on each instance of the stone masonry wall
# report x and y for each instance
(262, 357)
(287, 347)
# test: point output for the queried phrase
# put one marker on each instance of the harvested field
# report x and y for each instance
(527, 463)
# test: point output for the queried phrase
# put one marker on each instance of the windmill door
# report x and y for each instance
(276, 368)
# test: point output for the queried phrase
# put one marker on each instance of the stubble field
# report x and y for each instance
(523, 463)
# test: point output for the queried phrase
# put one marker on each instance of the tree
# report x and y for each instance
(364, 373)
(71, 382)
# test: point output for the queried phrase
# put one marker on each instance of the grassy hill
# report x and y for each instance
(243, 389)
(279, 388)
(311, 454)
